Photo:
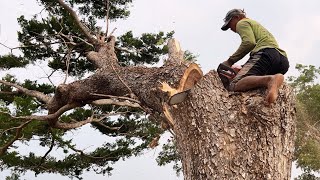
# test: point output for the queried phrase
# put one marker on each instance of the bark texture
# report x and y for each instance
(234, 135)
(140, 82)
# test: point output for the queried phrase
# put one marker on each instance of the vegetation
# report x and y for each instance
(307, 147)
(56, 40)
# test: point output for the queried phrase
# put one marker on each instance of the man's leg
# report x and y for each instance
(271, 82)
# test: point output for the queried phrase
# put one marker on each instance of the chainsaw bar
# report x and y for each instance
(179, 97)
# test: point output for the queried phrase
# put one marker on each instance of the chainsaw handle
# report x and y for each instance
(222, 67)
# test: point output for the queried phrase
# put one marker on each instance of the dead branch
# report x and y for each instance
(175, 52)
(118, 103)
(115, 97)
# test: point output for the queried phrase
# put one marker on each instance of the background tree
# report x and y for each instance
(307, 147)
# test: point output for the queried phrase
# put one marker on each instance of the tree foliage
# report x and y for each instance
(307, 148)
(55, 39)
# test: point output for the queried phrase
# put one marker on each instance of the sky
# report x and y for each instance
(294, 23)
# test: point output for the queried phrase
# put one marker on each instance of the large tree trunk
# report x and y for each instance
(234, 135)
(220, 135)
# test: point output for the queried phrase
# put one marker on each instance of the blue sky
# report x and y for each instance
(294, 23)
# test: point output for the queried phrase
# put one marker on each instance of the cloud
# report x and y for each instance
(302, 40)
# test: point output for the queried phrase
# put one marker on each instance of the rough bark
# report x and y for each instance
(234, 135)
(111, 79)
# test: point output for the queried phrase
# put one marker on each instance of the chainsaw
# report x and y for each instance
(226, 75)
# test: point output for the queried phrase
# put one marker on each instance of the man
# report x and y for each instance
(267, 62)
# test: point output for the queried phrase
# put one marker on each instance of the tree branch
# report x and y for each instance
(4, 148)
(67, 126)
(107, 3)
(46, 44)
(84, 41)
(175, 52)
(83, 28)
(82, 153)
(115, 97)
(313, 132)
(50, 118)
(108, 127)
(118, 103)
(9, 93)
(40, 96)
(46, 154)
(106, 157)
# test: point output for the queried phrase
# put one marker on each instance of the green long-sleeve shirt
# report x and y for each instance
(254, 38)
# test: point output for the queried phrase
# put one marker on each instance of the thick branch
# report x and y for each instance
(175, 52)
(82, 27)
(51, 118)
(9, 93)
(143, 82)
(105, 57)
(40, 96)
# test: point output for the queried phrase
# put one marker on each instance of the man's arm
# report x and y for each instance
(248, 42)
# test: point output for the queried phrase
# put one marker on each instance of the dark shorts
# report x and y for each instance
(267, 61)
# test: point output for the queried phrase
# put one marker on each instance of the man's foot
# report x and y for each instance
(273, 88)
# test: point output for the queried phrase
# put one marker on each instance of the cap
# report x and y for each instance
(229, 16)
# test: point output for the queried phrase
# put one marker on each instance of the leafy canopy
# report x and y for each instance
(54, 38)
(307, 147)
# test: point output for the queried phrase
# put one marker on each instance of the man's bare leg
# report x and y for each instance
(273, 88)
(271, 82)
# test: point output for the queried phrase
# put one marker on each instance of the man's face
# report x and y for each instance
(233, 23)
